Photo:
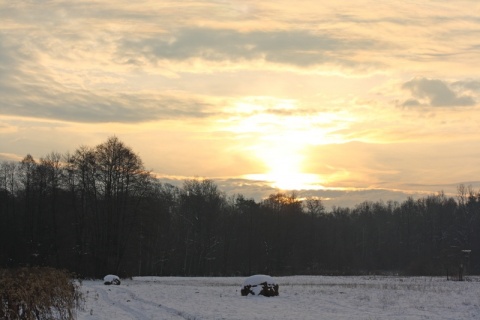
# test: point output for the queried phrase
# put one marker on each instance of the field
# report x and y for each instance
(301, 297)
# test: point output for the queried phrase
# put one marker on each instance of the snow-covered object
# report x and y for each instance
(260, 284)
(111, 279)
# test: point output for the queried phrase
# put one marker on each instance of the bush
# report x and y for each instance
(38, 294)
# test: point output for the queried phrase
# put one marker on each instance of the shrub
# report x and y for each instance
(38, 294)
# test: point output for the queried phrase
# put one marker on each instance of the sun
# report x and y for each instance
(284, 164)
(277, 135)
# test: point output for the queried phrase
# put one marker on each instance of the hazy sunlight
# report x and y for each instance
(289, 180)
(279, 140)
(284, 163)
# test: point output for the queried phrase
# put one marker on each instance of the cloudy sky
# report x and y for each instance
(360, 100)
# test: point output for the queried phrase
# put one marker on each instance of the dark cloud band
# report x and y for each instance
(435, 93)
(291, 47)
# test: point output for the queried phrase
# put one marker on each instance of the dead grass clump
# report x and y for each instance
(38, 294)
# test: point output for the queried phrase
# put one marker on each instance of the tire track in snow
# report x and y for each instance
(137, 314)
(173, 311)
(131, 311)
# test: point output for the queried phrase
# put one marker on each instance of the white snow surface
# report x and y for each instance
(301, 297)
(258, 279)
(110, 278)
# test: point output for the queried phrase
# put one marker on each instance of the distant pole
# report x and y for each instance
(465, 262)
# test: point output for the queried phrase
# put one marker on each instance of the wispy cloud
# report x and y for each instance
(365, 94)
(292, 47)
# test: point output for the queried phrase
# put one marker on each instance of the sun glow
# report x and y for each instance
(289, 180)
(284, 164)
(278, 138)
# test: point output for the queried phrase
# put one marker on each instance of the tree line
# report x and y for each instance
(97, 211)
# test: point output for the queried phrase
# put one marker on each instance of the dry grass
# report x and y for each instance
(38, 293)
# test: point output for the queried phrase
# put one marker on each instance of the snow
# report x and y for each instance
(258, 279)
(301, 297)
(110, 278)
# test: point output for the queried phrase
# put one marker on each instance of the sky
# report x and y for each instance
(353, 101)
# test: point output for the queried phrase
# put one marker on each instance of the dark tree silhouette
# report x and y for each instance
(97, 211)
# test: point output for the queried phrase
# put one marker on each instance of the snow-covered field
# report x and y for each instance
(301, 297)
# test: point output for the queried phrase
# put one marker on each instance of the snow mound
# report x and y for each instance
(260, 284)
(111, 279)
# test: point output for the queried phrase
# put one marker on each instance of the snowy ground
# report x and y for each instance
(301, 297)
